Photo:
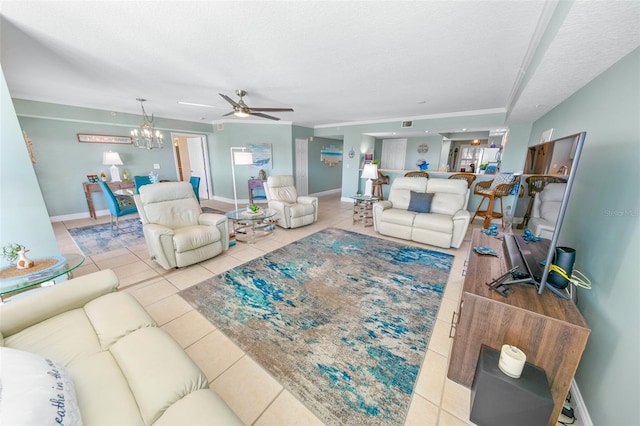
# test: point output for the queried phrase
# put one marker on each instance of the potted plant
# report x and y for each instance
(10, 252)
(253, 208)
(483, 168)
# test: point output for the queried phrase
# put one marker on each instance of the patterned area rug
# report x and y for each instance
(340, 319)
(96, 239)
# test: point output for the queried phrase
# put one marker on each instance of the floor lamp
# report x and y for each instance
(239, 157)
(370, 171)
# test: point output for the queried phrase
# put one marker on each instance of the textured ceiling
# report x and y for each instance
(333, 62)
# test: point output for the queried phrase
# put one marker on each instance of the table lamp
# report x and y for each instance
(112, 159)
(369, 172)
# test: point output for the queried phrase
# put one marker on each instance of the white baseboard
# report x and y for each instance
(75, 216)
(581, 412)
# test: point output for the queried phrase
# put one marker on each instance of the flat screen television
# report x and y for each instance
(556, 157)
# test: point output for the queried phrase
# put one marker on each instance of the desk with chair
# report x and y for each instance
(89, 188)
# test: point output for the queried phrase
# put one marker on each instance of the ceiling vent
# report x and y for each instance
(407, 124)
(220, 127)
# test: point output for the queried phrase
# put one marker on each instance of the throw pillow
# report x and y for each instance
(35, 391)
(125, 201)
(420, 202)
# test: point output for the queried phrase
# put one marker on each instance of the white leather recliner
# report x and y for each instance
(293, 210)
(176, 231)
(546, 208)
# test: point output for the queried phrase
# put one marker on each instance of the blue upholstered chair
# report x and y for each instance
(118, 205)
(141, 180)
(195, 182)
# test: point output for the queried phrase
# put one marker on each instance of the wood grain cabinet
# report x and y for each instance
(549, 330)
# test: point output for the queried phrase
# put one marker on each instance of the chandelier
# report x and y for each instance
(146, 137)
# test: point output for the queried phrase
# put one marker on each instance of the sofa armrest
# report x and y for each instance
(461, 221)
(221, 222)
(23, 312)
(305, 199)
(378, 208)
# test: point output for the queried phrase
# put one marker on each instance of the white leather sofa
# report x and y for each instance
(101, 346)
(176, 231)
(293, 210)
(545, 210)
(446, 223)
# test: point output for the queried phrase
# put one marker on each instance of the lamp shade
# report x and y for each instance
(242, 158)
(370, 171)
(111, 159)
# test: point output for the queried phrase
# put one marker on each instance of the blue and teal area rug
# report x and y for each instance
(340, 319)
(96, 239)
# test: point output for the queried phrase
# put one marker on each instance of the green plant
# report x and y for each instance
(483, 166)
(376, 162)
(10, 251)
(254, 208)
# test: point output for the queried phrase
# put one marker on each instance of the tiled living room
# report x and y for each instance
(254, 395)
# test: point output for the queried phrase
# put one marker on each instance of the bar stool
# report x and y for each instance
(490, 190)
(376, 189)
(417, 174)
(469, 177)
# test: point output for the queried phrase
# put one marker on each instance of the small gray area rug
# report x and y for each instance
(96, 239)
(340, 319)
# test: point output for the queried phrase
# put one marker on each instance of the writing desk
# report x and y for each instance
(90, 188)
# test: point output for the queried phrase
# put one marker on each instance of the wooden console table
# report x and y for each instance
(90, 188)
(549, 330)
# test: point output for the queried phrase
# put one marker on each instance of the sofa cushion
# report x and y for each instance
(52, 339)
(400, 192)
(171, 204)
(398, 217)
(299, 210)
(420, 202)
(282, 188)
(450, 195)
(193, 237)
(434, 222)
(35, 391)
(158, 371)
(103, 393)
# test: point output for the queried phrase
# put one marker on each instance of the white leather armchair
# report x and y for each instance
(293, 210)
(546, 208)
(176, 231)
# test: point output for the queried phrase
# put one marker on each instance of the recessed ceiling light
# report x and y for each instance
(422, 102)
(192, 104)
(426, 131)
(464, 129)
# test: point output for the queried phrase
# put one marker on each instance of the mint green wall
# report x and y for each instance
(23, 214)
(240, 135)
(602, 224)
(63, 163)
(356, 136)
(323, 177)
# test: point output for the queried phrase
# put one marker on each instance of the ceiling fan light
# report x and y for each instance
(241, 114)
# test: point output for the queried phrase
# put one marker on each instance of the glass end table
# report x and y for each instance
(247, 226)
(45, 270)
(363, 209)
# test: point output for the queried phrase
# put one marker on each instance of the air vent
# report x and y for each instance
(220, 127)
(407, 124)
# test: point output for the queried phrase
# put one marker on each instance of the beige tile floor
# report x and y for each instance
(255, 396)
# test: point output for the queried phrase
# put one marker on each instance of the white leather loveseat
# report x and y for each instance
(97, 355)
(444, 225)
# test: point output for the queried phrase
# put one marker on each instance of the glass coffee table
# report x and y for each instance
(247, 226)
(45, 271)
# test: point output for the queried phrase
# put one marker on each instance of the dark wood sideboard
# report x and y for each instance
(549, 330)
(90, 188)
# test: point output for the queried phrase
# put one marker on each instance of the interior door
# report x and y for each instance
(198, 165)
(302, 166)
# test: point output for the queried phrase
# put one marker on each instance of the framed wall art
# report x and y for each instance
(88, 138)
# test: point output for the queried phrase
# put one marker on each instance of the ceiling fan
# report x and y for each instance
(240, 109)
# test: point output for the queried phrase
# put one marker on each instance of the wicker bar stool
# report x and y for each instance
(376, 188)
(417, 174)
(535, 184)
(491, 191)
(469, 177)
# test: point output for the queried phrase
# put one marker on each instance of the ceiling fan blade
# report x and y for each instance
(231, 101)
(272, 109)
(229, 113)
(259, 114)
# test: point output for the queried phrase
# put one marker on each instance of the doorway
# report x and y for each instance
(302, 166)
(192, 159)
